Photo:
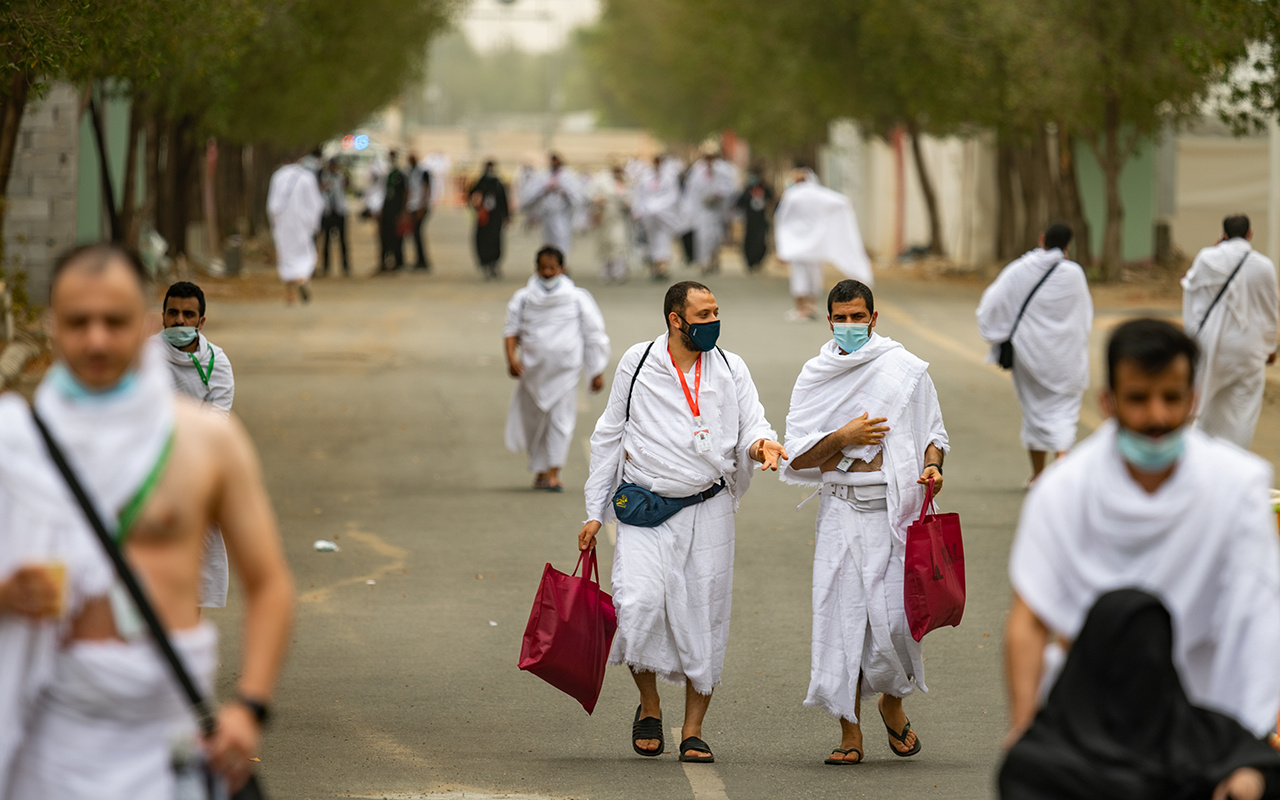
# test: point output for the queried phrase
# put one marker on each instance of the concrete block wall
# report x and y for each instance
(40, 222)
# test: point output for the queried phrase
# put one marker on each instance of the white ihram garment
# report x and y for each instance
(555, 200)
(107, 725)
(805, 279)
(112, 444)
(656, 206)
(1204, 543)
(709, 189)
(294, 205)
(859, 620)
(1237, 337)
(561, 334)
(218, 394)
(1050, 347)
(672, 584)
(817, 224)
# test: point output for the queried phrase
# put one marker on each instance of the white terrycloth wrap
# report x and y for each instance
(859, 624)
(1052, 340)
(294, 204)
(106, 726)
(1050, 420)
(221, 391)
(657, 446)
(1204, 543)
(554, 199)
(112, 445)
(613, 200)
(215, 576)
(859, 621)
(814, 223)
(1236, 339)
(882, 380)
(656, 206)
(709, 188)
(561, 334)
(673, 589)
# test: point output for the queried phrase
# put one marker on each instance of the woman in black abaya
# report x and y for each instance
(1118, 724)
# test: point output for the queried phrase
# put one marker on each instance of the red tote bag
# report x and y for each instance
(933, 587)
(570, 631)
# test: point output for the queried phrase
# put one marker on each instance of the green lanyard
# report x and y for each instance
(204, 376)
(133, 509)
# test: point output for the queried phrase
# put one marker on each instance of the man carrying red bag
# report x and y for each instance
(865, 424)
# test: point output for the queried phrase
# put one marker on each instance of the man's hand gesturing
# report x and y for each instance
(768, 454)
(862, 431)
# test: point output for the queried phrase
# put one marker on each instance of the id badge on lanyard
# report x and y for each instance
(701, 433)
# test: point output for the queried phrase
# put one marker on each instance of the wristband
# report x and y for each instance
(939, 466)
(260, 711)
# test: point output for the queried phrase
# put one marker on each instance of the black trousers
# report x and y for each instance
(331, 224)
(420, 242)
(392, 243)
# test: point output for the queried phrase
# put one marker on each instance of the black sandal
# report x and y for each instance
(844, 762)
(698, 746)
(901, 737)
(647, 728)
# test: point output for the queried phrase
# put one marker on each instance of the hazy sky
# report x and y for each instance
(533, 25)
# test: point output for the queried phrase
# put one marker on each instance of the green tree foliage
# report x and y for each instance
(1108, 74)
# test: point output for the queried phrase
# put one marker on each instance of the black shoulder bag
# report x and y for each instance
(204, 712)
(1006, 347)
(1220, 293)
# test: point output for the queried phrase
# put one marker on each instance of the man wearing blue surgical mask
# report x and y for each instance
(1151, 503)
(199, 368)
(866, 427)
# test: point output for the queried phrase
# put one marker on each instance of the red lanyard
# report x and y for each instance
(697, 383)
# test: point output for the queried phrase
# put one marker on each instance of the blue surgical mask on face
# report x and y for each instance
(1150, 453)
(851, 336)
(549, 283)
(703, 334)
(72, 389)
(179, 335)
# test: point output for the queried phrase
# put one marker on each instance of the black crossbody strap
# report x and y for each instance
(1027, 302)
(631, 390)
(1221, 292)
(158, 635)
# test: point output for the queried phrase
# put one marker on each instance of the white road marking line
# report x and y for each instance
(703, 778)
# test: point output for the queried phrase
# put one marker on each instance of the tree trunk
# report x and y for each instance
(104, 168)
(1112, 162)
(129, 204)
(11, 110)
(926, 188)
(1069, 197)
(159, 208)
(1006, 219)
(178, 169)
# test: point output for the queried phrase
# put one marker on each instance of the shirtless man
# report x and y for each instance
(109, 402)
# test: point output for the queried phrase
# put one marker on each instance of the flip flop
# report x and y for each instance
(844, 762)
(555, 487)
(541, 483)
(647, 728)
(698, 746)
(901, 737)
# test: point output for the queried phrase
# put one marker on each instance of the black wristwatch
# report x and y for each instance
(260, 711)
(939, 466)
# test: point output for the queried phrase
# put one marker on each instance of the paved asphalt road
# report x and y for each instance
(378, 411)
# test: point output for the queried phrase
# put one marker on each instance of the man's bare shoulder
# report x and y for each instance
(217, 435)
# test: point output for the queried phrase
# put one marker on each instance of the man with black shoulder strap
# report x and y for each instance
(1231, 307)
(89, 706)
(200, 370)
(1041, 307)
(671, 457)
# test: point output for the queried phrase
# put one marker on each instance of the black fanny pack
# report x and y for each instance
(636, 505)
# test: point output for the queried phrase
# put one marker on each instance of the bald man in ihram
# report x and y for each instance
(88, 707)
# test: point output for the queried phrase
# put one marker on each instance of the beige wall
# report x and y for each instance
(1218, 176)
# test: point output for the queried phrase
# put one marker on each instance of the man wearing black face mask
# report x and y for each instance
(671, 457)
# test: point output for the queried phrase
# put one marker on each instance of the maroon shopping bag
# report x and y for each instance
(933, 587)
(570, 630)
